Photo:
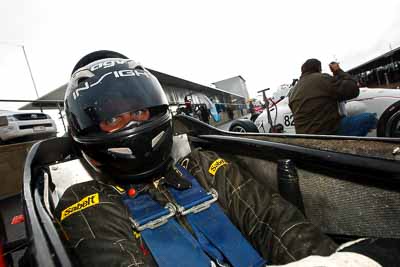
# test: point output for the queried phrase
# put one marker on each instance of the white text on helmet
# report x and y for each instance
(108, 64)
(115, 74)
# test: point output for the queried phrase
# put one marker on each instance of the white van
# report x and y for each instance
(33, 125)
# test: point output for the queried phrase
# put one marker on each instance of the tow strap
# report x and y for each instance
(216, 238)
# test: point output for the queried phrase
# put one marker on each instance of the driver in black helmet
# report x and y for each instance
(142, 210)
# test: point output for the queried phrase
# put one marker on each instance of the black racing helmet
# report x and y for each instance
(118, 116)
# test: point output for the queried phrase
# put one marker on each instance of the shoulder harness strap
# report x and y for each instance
(172, 245)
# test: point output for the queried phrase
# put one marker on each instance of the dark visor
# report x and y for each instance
(103, 97)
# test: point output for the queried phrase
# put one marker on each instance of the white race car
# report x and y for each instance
(19, 125)
(384, 102)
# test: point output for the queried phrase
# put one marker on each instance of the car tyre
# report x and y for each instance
(389, 122)
(254, 116)
(243, 126)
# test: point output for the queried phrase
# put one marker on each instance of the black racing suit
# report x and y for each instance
(102, 235)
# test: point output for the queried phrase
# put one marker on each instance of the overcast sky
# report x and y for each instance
(203, 41)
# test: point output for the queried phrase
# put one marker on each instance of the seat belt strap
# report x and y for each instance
(172, 245)
(169, 243)
(214, 225)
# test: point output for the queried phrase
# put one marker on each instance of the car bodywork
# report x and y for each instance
(17, 124)
(374, 100)
(350, 186)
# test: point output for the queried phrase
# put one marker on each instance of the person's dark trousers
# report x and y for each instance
(357, 125)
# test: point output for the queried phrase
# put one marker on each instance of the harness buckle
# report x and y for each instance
(156, 222)
(200, 207)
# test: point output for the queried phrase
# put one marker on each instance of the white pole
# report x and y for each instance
(29, 67)
(30, 71)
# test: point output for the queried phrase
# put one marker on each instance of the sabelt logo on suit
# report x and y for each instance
(216, 165)
(84, 203)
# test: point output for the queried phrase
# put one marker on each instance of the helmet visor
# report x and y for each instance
(115, 96)
(122, 120)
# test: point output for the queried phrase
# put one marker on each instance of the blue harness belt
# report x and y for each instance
(215, 238)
